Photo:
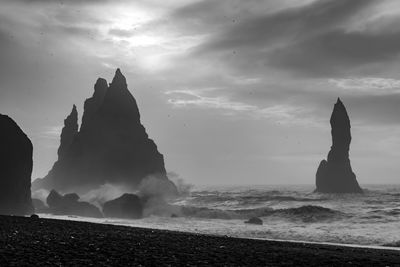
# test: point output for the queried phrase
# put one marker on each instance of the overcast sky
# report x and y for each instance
(232, 91)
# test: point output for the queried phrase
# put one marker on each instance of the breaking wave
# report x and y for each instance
(288, 212)
(247, 198)
(307, 213)
(386, 212)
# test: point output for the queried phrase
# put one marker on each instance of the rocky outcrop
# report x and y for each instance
(68, 132)
(111, 147)
(335, 174)
(69, 204)
(15, 169)
(34, 217)
(127, 206)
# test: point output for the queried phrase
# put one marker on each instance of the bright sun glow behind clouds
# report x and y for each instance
(150, 49)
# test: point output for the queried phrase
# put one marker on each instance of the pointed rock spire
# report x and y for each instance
(118, 101)
(335, 175)
(68, 132)
(340, 124)
(119, 80)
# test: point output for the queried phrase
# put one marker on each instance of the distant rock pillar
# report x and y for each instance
(335, 175)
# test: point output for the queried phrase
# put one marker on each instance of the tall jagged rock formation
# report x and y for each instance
(15, 169)
(112, 145)
(335, 175)
(68, 132)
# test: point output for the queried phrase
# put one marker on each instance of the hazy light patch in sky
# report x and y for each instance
(372, 85)
(284, 114)
(287, 114)
(144, 46)
(195, 98)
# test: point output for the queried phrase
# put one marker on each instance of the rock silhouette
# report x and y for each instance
(335, 174)
(111, 147)
(15, 169)
(68, 132)
(69, 204)
(126, 206)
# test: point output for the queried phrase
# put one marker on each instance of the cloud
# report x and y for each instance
(369, 85)
(321, 38)
(122, 32)
(280, 113)
(292, 23)
(185, 98)
(336, 52)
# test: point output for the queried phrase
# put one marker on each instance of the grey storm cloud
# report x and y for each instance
(312, 39)
(335, 52)
(292, 23)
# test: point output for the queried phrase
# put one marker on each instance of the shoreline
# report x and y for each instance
(350, 245)
(376, 247)
(28, 241)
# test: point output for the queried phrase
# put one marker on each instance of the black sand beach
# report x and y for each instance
(46, 242)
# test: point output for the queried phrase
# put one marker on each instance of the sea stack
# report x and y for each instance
(15, 169)
(111, 147)
(335, 174)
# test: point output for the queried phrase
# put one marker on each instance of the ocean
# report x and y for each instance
(288, 212)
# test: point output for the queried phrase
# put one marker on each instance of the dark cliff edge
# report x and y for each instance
(15, 169)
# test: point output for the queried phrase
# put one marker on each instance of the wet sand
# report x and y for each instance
(48, 242)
